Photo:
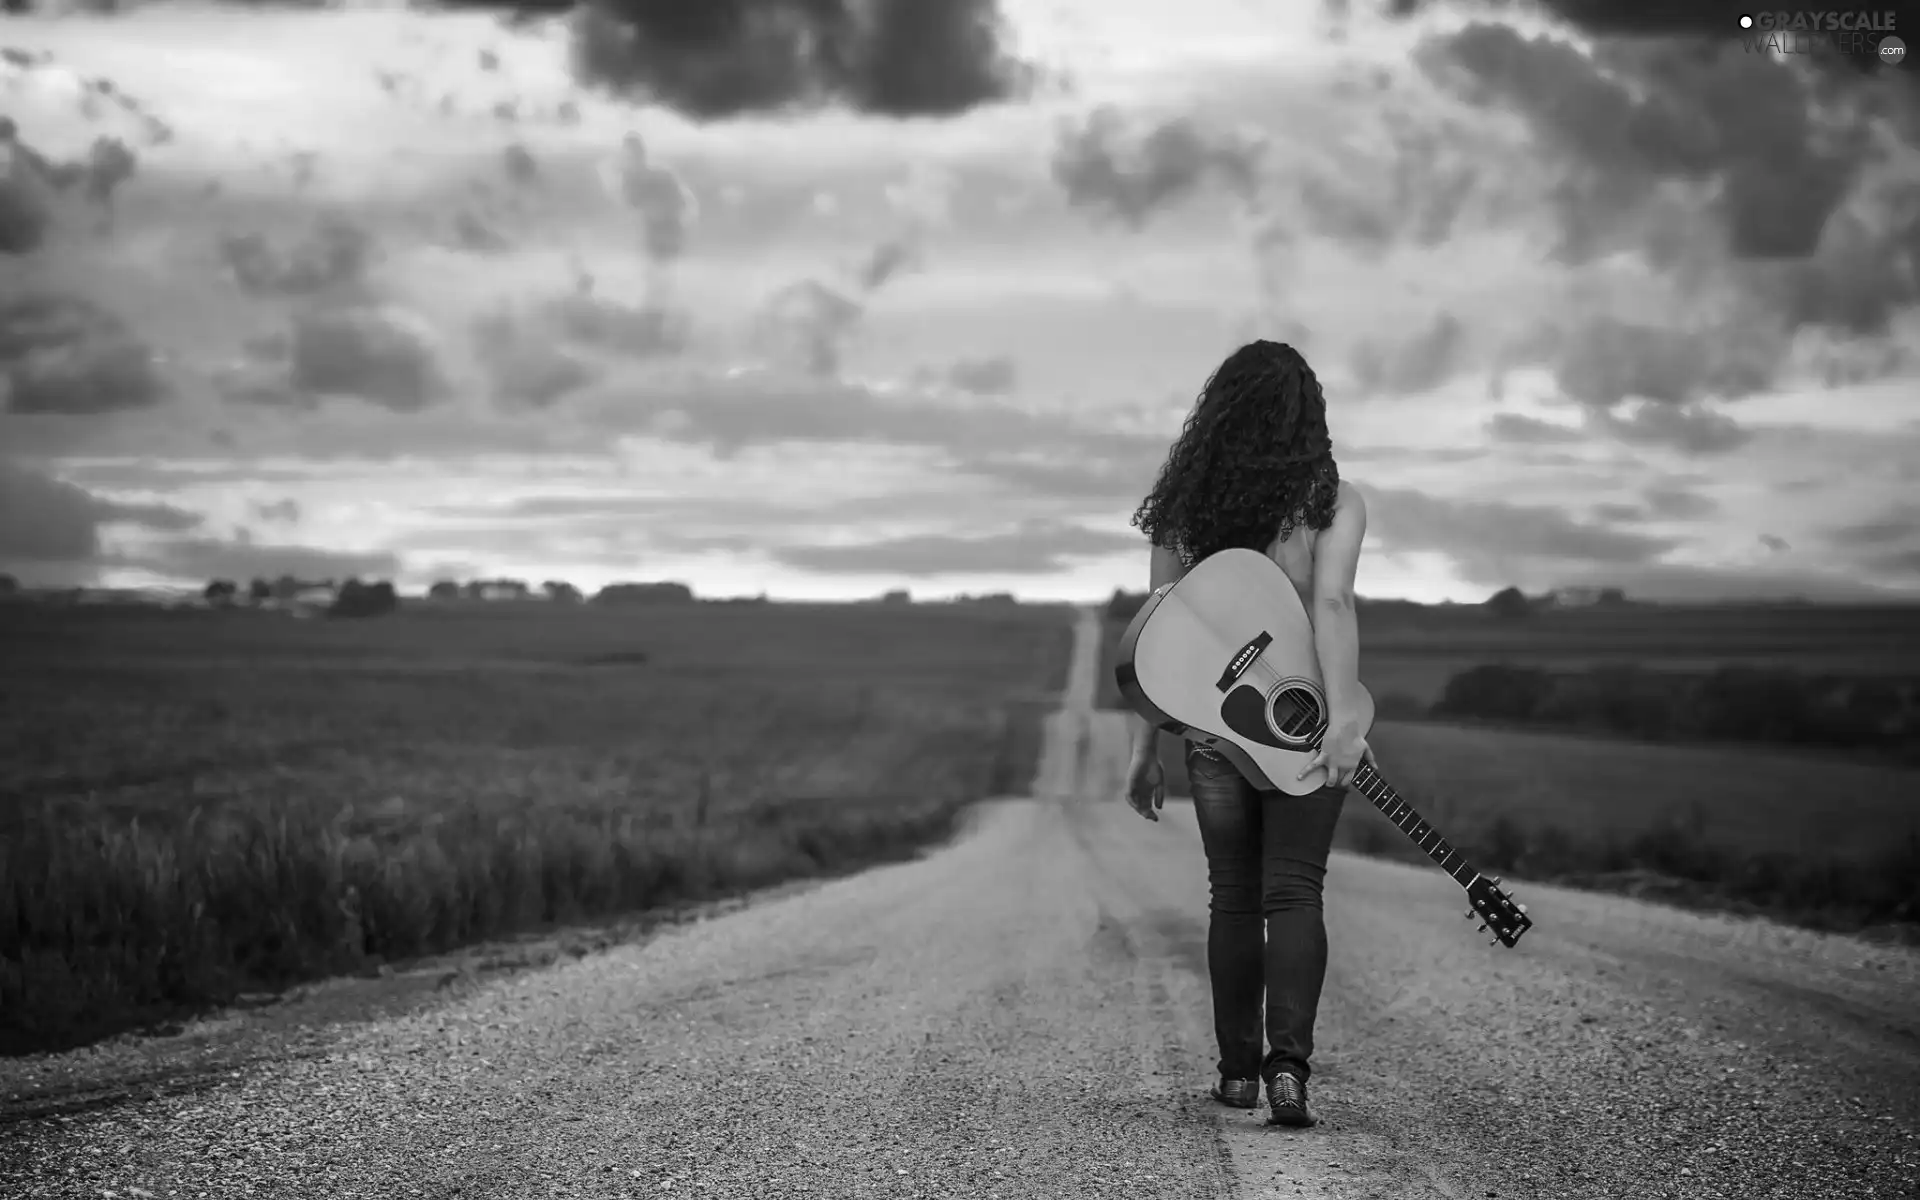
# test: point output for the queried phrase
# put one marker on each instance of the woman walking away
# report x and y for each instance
(1253, 469)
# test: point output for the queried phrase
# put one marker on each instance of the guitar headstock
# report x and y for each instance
(1498, 913)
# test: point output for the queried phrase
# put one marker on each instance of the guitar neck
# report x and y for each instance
(1375, 788)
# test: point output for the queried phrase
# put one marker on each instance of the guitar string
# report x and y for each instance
(1440, 851)
(1374, 777)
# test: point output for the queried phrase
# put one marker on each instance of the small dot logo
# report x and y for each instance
(1746, 22)
(1893, 51)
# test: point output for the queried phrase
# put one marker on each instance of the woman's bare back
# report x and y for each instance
(1295, 553)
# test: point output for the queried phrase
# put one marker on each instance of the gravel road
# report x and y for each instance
(1024, 1014)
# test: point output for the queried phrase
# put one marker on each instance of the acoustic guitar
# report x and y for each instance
(1225, 656)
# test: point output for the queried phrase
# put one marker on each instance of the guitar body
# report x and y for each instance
(1226, 656)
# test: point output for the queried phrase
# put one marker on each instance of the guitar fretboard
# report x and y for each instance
(1409, 822)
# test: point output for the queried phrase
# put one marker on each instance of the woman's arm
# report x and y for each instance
(1336, 630)
(1164, 568)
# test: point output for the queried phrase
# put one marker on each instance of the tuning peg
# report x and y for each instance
(1482, 929)
(1496, 881)
(1468, 914)
(1494, 942)
(1521, 907)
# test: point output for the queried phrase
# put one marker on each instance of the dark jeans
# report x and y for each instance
(1266, 864)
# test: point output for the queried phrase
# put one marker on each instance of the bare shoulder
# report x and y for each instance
(1350, 505)
(1339, 544)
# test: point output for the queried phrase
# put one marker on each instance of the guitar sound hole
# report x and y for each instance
(1297, 715)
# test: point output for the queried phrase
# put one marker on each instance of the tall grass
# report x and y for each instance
(234, 828)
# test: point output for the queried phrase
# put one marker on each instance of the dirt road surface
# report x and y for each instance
(1024, 1013)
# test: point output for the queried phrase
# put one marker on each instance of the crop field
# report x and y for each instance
(1824, 838)
(198, 804)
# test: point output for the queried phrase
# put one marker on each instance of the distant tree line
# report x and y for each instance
(644, 593)
(557, 591)
(1124, 605)
(1512, 602)
(355, 597)
(352, 597)
(1745, 704)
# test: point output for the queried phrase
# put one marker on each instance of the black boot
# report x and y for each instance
(1240, 1093)
(1287, 1101)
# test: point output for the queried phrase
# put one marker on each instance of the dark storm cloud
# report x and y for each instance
(1115, 478)
(1421, 363)
(1858, 285)
(1689, 429)
(1345, 212)
(332, 252)
(35, 184)
(1619, 513)
(617, 516)
(478, 235)
(752, 409)
(25, 215)
(211, 558)
(48, 520)
(1679, 503)
(625, 508)
(1683, 584)
(524, 365)
(285, 511)
(1904, 563)
(1110, 168)
(1898, 523)
(983, 376)
(1036, 548)
(1412, 182)
(1529, 431)
(806, 324)
(164, 518)
(533, 354)
(886, 260)
(659, 198)
(726, 58)
(1641, 111)
(1493, 542)
(1668, 94)
(1626, 18)
(1602, 362)
(519, 165)
(43, 519)
(65, 354)
(365, 353)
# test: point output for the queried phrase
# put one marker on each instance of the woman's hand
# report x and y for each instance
(1341, 752)
(1146, 786)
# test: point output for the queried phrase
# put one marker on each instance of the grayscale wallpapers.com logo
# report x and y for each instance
(1852, 33)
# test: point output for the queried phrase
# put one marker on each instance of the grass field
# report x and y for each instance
(200, 804)
(1413, 651)
(1814, 838)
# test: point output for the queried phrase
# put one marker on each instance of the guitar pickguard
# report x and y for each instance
(1245, 712)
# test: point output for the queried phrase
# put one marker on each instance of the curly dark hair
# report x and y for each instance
(1253, 462)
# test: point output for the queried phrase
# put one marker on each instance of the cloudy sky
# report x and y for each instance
(420, 294)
